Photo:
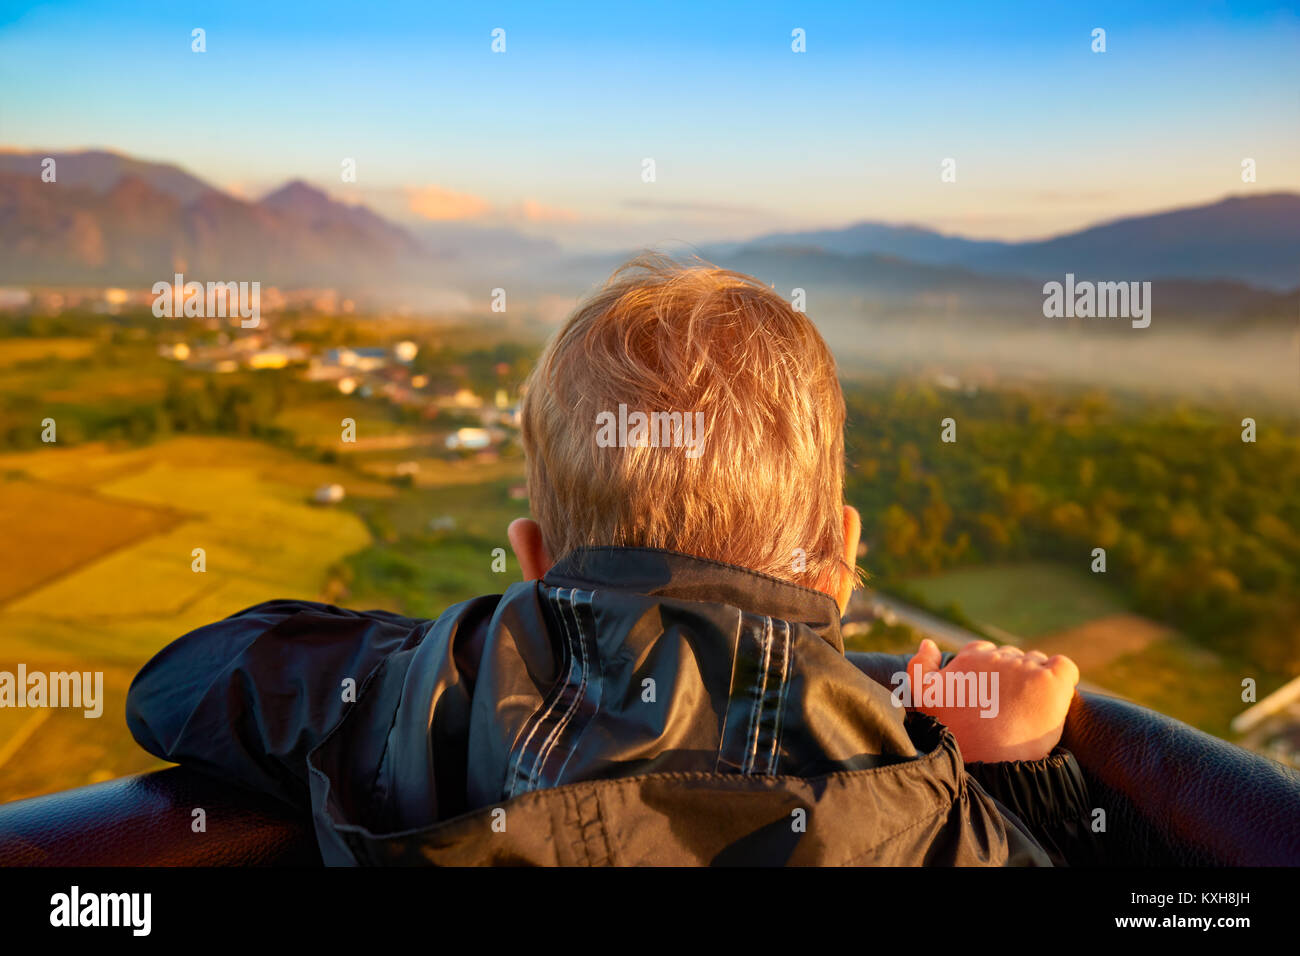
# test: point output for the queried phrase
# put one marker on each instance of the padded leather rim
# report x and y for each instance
(1172, 796)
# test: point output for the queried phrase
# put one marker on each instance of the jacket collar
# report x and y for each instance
(671, 574)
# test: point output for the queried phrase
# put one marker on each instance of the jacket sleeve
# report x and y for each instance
(1050, 797)
(248, 697)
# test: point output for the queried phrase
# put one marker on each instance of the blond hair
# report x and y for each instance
(765, 488)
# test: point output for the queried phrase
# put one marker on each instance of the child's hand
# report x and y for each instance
(1031, 697)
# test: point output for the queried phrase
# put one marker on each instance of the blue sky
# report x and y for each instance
(746, 135)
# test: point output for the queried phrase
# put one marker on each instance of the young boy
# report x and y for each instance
(668, 685)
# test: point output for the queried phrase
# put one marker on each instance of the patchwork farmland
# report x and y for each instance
(112, 582)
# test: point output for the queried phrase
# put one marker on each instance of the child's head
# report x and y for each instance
(761, 487)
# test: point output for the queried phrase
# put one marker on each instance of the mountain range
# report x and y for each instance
(1253, 239)
(112, 219)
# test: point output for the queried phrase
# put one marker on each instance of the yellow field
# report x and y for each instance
(73, 527)
(16, 351)
(116, 583)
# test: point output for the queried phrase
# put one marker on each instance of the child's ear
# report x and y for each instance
(852, 534)
(525, 537)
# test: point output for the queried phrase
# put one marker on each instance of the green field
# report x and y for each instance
(319, 423)
(1028, 600)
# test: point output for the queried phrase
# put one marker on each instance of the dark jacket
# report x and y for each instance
(634, 707)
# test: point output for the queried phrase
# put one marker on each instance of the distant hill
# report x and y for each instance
(1252, 239)
(905, 242)
(99, 170)
(329, 221)
(135, 233)
(885, 276)
(110, 219)
(468, 244)
(887, 286)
